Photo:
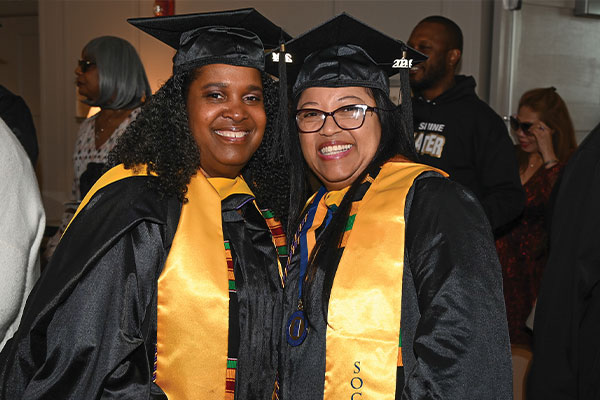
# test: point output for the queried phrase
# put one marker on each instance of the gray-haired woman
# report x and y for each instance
(109, 75)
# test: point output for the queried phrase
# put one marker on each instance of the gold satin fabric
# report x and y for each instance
(193, 297)
(112, 175)
(364, 308)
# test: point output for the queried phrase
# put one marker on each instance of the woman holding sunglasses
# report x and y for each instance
(392, 287)
(109, 75)
(545, 140)
(167, 283)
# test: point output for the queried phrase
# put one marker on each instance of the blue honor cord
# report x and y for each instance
(297, 327)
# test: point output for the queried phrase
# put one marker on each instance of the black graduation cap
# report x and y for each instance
(345, 52)
(235, 37)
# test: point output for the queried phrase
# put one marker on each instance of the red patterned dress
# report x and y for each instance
(523, 253)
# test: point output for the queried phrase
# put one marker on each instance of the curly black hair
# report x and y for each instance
(160, 139)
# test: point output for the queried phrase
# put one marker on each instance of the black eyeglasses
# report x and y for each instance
(515, 124)
(85, 65)
(348, 117)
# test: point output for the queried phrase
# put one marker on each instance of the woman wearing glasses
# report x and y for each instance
(109, 75)
(546, 139)
(392, 287)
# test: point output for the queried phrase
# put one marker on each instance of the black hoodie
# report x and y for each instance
(460, 134)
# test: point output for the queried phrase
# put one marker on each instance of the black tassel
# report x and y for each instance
(281, 146)
(406, 101)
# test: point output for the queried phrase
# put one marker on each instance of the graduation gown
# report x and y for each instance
(454, 333)
(89, 329)
(566, 331)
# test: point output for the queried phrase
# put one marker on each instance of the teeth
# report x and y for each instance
(338, 148)
(232, 134)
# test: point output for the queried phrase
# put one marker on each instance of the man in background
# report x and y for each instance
(455, 130)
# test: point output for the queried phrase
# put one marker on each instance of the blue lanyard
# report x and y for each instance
(297, 326)
(303, 238)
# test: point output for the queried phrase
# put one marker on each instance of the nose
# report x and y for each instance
(78, 70)
(329, 128)
(236, 111)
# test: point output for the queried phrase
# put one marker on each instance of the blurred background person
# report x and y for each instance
(17, 116)
(23, 221)
(110, 75)
(455, 130)
(546, 138)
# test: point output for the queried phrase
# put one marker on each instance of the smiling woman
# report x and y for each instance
(393, 289)
(226, 117)
(176, 247)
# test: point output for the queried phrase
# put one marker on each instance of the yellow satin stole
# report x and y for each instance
(363, 330)
(193, 296)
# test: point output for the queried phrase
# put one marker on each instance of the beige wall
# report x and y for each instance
(543, 45)
(65, 26)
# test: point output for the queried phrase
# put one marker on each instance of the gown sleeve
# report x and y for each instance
(89, 326)
(454, 339)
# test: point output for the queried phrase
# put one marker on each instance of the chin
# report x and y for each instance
(337, 181)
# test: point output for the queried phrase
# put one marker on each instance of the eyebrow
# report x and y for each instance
(253, 88)
(349, 98)
(308, 103)
(223, 85)
(215, 84)
(313, 103)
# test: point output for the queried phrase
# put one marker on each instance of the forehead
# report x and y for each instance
(526, 114)
(433, 31)
(333, 94)
(228, 74)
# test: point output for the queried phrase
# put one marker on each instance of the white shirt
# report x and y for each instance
(22, 224)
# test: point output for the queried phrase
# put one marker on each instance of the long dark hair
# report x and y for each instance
(160, 138)
(396, 139)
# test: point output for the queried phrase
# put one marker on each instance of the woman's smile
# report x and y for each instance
(334, 150)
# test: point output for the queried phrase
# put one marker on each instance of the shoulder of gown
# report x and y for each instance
(85, 321)
(454, 330)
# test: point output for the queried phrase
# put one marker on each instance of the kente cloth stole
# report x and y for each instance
(231, 361)
(243, 228)
(364, 312)
(194, 286)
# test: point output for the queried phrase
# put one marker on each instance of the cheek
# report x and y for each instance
(307, 147)
(370, 139)
(260, 119)
(198, 120)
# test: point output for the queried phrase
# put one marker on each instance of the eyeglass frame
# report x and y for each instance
(515, 125)
(85, 65)
(363, 107)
